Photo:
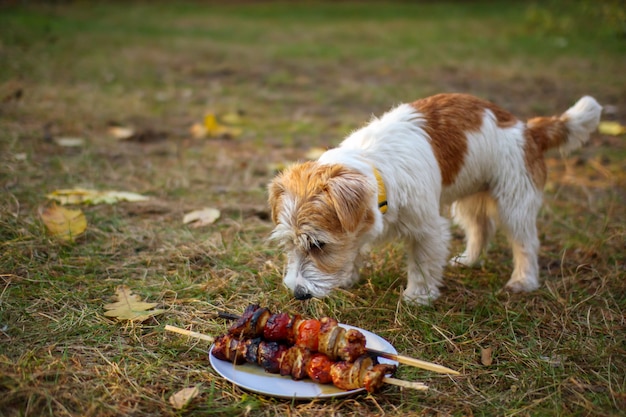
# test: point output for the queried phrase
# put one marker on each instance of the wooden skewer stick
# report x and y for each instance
(388, 380)
(189, 333)
(406, 360)
(405, 384)
(414, 362)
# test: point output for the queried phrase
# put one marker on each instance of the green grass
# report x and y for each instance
(301, 75)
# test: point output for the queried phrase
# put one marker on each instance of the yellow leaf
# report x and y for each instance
(611, 128)
(130, 307)
(210, 123)
(182, 398)
(232, 118)
(199, 218)
(216, 130)
(64, 223)
(86, 196)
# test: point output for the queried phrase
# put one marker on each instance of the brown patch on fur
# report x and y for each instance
(448, 118)
(541, 134)
(535, 163)
(548, 132)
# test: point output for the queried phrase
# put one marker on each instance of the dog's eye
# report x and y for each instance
(318, 245)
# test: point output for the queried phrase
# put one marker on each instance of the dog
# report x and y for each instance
(392, 179)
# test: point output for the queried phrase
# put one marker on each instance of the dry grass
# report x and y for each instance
(303, 76)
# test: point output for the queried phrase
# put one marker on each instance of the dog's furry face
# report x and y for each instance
(322, 213)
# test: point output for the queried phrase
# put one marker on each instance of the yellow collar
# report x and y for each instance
(382, 194)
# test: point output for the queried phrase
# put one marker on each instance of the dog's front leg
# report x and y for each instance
(426, 257)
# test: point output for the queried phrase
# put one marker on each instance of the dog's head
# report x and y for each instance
(321, 212)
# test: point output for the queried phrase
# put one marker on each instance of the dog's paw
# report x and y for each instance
(522, 285)
(422, 295)
(463, 260)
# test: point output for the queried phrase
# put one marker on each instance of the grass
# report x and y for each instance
(301, 75)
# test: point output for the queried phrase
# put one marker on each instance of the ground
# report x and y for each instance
(292, 78)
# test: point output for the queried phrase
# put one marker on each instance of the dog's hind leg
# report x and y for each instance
(426, 257)
(476, 214)
(519, 218)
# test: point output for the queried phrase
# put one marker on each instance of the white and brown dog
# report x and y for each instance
(391, 178)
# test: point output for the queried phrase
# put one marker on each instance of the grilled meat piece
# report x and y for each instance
(308, 334)
(362, 373)
(269, 356)
(375, 376)
(295, 361)
(276, 329)
(318, 368)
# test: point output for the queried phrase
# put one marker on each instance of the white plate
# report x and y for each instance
(254, 378)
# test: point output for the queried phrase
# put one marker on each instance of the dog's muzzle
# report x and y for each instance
(300, 293)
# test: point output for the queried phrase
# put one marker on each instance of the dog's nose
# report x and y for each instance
(301, 294)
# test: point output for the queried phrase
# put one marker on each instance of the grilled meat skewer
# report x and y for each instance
(317, 366)
(299, 362)
(324, 335)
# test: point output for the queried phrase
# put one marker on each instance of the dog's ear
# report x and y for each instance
(276, 189)
(350, 194)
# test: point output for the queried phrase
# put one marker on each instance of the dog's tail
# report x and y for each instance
(569, 130)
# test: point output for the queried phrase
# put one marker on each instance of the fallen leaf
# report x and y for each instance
(130, 307)
(232, 118)
(69, 142)
(63, 223)
(485, 356)
(197, 131)
(204, 217)
(216, 130)
(611, 128)
(210, 123)
(87, 196)
(121, 132)
(182, 398)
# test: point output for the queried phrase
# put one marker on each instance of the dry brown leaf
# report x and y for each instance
(197, 131)
(486, 357)
(182, 398)
(69, 142)
(86, 196)
(121, 132)
(130, 307)
(63, 223)
(204, 217)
